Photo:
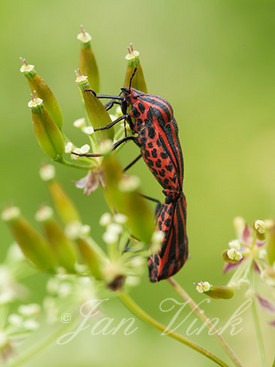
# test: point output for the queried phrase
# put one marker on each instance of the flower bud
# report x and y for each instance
(63, 248)
(87, 63)
(138, 81)
(96, 111)
(63, 204)
(37, 84)
(47, 133)
(220, 292)
(92, 256)
(33, 245)
(127, 200)
(212, 291)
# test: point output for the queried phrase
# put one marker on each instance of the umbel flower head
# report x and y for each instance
(251, 252)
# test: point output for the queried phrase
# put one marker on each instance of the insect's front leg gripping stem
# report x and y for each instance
(116, 145)
(123, 117)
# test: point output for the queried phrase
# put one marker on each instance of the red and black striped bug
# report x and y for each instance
(151, 118)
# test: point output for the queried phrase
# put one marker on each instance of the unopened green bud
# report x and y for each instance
(63, 204)
(220, 292)
(138, 81)
(47, 133)
(87, 64)
(63, 248)
(33, 245)
(96, 111)
(37, 84)
(92, 256)
(127, 200)
(212, 291)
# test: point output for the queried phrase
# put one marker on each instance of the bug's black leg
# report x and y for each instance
(110, 104)
(123, 140)
(158, 206)
(132, 163)
(117, 144)
(127, 247)
(113, 123)
(103, 95)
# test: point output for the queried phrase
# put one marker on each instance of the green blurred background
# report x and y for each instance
(214, 62)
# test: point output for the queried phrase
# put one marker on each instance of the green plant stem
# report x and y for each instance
(258, 334)
(205, 320)
(136, 310)
(33, 352)
(73, 165)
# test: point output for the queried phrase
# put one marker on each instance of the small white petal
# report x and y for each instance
(262, 253)
(26, 68)
(73, 230)
(129, 183)
(120, 218)
(132, 55)
(202, 287)
(77, 151)
(15, 319)
(105, 219)
(110, 238)
(83, 36)
(31, 325)
(69, 147)
(235, 244)
(85, 149)
(106, 146)
(158, 237)
(43, 214)
(85, 230)
(89, 130)
(65, 290)
(47, 172)
(29, 310)
(10, 213)
(114, 228)
(80, 123)
(35, 102)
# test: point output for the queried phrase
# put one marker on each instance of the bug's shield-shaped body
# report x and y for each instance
(152, 119)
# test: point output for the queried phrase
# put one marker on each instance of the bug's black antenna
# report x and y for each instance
(132, 77)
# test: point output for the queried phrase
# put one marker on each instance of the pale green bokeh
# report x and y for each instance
(214, 62)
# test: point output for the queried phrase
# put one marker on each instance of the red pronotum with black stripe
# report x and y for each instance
(151, 117)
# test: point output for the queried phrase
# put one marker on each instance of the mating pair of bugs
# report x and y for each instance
(156, 133)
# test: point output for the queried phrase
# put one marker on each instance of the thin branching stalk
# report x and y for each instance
(205, 320)
(259, 335)
(136, 310)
